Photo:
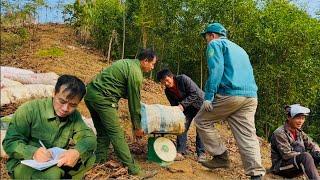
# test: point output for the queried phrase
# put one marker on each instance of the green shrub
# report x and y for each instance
(23, 33)
(10, 41)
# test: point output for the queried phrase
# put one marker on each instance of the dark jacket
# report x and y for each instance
(191, 95)
(284, 147)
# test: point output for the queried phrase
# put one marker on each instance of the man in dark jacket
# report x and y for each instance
(292, 151)
(181, 91)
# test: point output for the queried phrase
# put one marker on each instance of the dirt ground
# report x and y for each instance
(85, 63)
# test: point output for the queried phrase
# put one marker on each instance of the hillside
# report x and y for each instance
(85, 62)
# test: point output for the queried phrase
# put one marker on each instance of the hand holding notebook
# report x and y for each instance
(42, 154)
(55, 152)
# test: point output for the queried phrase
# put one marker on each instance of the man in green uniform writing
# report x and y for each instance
(123, 79)
(56, 123)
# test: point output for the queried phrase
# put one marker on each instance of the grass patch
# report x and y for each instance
(11, 40)
(50, 52)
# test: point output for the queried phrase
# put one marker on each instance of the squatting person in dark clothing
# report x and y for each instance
(181, 91)
(292, 152)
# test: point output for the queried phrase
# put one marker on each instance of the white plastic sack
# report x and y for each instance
(156, 118)
(5, 70)
(38, 78)
(5, 82)
(21, 93)
(3, 134)
(89, 123)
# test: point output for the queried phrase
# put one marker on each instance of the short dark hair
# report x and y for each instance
(164, 73)
(73, 84)
(148, 54)
(218, 34)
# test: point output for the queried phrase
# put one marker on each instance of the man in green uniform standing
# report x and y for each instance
(56, 123)
(123, 79)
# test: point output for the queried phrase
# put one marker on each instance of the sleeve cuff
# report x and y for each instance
(29, 151)
(83, 154)
(183, 105)
(209, 96)
(291, 155)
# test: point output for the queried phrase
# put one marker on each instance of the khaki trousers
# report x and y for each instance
(239, 113)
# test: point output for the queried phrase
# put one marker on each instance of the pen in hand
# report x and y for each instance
(47, 151)
(42, 144)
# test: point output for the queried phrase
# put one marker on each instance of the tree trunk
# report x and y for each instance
(124, 30)
(201, 67)
(144, 37)
(201, 73)
(110, 45)
(178, 69)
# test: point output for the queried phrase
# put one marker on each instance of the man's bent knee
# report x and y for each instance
(52, 173)
(306, 157)
(22, 171)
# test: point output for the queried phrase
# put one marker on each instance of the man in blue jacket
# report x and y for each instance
(181, 91)
(231, 95)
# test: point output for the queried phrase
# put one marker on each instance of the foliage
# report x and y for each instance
(286, 64)
(282, 40)
(50, 52)
(95, 21)
(13, 40)
(19, 13)
(16, 19)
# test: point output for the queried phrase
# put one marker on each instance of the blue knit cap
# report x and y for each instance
(214, 28)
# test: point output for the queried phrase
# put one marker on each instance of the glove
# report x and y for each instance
(207, 105)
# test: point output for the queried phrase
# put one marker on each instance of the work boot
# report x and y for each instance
(258, 177)
(218, 161)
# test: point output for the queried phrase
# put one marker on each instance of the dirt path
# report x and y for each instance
(84, 62)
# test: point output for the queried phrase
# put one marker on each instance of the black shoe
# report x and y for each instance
(258, 177)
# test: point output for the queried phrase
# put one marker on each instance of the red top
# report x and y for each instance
(294, 134)
(175, 90)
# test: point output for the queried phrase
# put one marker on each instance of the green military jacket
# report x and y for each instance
(123, 79)
(36, 120)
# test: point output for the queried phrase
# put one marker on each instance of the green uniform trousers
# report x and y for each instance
(106, 122)
(22, 171)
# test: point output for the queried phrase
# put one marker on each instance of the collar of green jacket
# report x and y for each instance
(49, 110)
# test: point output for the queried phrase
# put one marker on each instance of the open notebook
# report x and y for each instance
(56, 151)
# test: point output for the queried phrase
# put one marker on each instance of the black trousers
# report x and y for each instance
(303, 163)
